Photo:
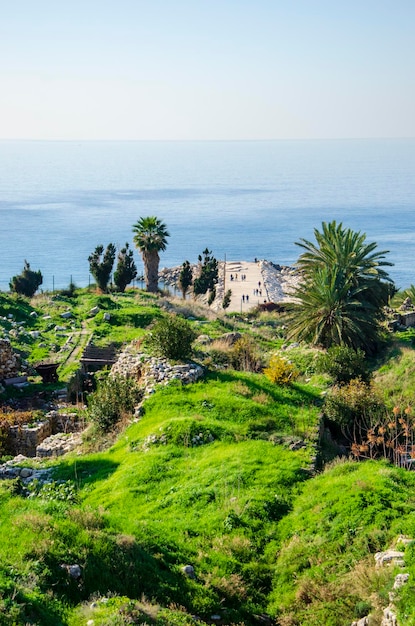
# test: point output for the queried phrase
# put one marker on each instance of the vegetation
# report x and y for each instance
(219, 497)
(343, 290)
(172, 337)
(126, 269)
(185, 278)
(226, 299)
(150, 237)
(208, 275)
(26, 283)
(113, 401)
(343, 364)
(280, 371)
(101, 264)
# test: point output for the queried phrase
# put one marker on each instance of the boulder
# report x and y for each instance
(231, 338)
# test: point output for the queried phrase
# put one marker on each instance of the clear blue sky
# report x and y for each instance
(207, 69)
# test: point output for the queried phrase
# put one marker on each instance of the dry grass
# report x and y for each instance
(236, 546)
(242, 389)
(261, 398)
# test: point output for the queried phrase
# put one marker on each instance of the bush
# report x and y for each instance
(343, 364)
(280, 371)
(244, 355)
(354, 405)
(114, 399)
(26, 283)
(172, 338)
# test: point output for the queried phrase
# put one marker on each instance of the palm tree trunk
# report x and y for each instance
(151, 270)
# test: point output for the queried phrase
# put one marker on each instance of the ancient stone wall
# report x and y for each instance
(9, 362)
(27, 439)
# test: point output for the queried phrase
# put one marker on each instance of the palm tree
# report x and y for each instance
(344, 287)
(150, 237)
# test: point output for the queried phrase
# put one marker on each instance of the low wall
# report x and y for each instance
(25, 439)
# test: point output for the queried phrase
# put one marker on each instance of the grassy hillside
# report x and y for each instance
(216, 476)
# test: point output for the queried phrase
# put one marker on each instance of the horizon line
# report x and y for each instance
(81, 140)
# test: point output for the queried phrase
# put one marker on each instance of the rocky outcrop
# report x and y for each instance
(279, 281)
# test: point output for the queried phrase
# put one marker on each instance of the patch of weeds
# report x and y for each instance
(54, 491)
(186, 433)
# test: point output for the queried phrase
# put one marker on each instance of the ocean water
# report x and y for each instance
(245, 199)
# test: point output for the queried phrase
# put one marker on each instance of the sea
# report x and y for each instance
(240, 199)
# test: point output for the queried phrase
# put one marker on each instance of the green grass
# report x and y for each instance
(205, 477)
(143, 512)
(396, 377)
(351, 511)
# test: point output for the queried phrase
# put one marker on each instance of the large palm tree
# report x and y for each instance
(344, 287)
(150, 238)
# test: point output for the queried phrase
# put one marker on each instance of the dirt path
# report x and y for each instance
(82, 336)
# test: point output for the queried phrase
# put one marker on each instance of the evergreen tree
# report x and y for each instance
(208, 277)
(101, 264)
(185, 278)
(227, 299)
(27, 282)
(126, 269)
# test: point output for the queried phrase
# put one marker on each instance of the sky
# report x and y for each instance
(206, 69)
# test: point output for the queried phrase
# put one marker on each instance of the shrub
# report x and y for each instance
(244, 355)
(172, 337)
(343, 364)
(27, 282)
(280, 371)
(356, 405)
(114, 399)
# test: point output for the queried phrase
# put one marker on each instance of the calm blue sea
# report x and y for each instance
(245, 199)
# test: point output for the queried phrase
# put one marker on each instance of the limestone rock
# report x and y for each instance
(389, 617)
(189, 571)
(389, 556)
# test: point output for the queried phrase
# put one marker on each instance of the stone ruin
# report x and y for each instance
(9, 361)
(55, 435)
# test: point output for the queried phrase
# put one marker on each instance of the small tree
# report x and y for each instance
(208, 277)
(227, 299)
(172, 337)
(101, 264)
(126, 269)
(185, 278)
(27, 282)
